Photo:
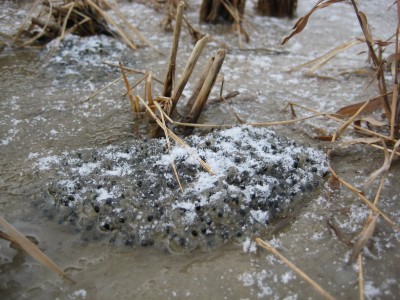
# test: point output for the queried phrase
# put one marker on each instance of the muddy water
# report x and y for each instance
(42, 115)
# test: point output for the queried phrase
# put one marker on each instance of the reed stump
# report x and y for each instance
(277, 8)
(213, 11)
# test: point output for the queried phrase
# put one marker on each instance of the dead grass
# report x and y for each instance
(19, 239)
(53, 19)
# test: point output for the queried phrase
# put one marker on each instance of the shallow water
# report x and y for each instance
(42, 116)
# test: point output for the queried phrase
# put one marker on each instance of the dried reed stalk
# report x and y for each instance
(128, 24)
(43, 29)
(318, 62)
(101, 90)
(32, 249)
(170, 77)
(293, 267)
(362, 19)
(364, 236)
(198, 86)
(131, 70)
(187, 71)
(201, 99)
(374, 104)
(360, 194)
(121, 32)
(177, 139)
(134, 105)
(349, 122)
(160, 110)
(332, 117)
(360, 277)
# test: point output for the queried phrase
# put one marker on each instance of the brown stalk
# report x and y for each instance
(160, 110)
(302, 22)
(360, 277)
(43, 31)
(201, 99)
(148, 89)
(118, 12)
(374, 104)
(135, 108)
(177, 139)
(32, 249)
(394, 124)
(265, 124)
(318, 62)
(385, 167)
(198, 86)
(170, 77)
(369, 41)
(100, 90)
(293, 267)
(64, 26)
(348, 122)
(360, 194)
(364, 236)
(26, 20)
(330, 116)
(131, 70)
(137, 83)
(187, 71)
(121, 32)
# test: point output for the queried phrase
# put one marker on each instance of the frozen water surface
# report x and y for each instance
(45, 124)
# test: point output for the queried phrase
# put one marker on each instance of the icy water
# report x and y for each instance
(44, 115)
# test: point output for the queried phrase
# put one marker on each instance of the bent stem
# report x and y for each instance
(292, 266)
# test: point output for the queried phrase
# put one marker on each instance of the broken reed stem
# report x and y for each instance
(360, 194)
(26, 20)
(160, 110)
(177, 139)
(102, 89)
(135, 108)
(32, 249)
(64, 25)
(394, 126)
(170, 77)
(394, 116)
(292, 266)
(318, 62)
(381, 75)
(148, 89)
(349, 121)
(43, 29)
(206, 88)
(137, 83)
(131, 70)
(198, 85)
(187, 71)
(232, 125)
(123, 35)
(379, 190)
(118, 12)
(360, 277)
(330, 116)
